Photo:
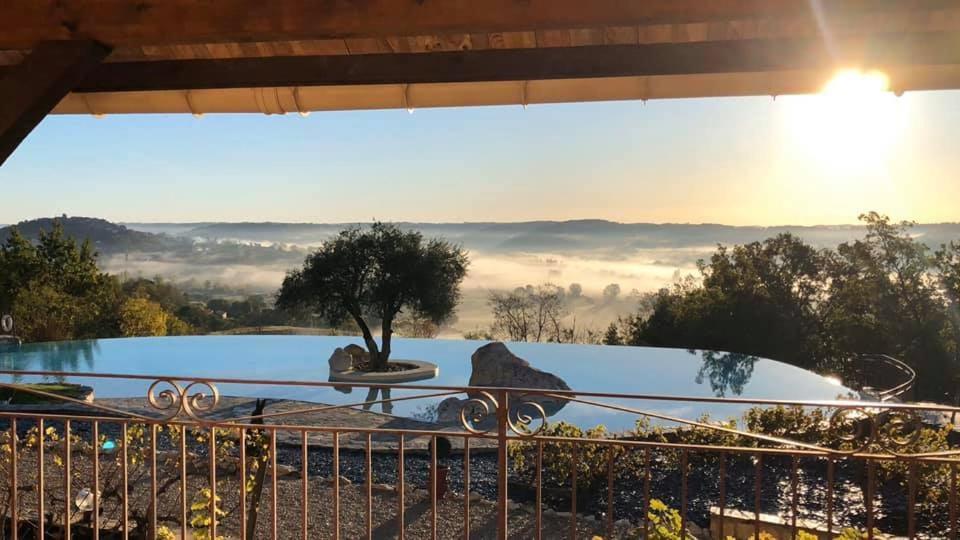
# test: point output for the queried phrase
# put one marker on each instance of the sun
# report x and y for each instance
(850, 127)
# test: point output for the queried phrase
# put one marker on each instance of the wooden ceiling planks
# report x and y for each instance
(544, 63)
(880, 22)
(123, 23)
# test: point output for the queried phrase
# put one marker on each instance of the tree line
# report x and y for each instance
(55, 291)
(886, 293)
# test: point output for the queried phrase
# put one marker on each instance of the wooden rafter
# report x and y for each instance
(527, 64)
(34, 87)
(155, 22)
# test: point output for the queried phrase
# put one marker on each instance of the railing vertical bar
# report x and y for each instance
(400, 489)
(646, 492)
(610, 453)
(466, 488)
(153, 480)
(574, 465)
(336, 485)
(305, 483)
(539, 494)
(794, 495)
(14, 499)
(830, 466)
(243, 483)
(96, 480)
(274, 500)
(67, 480)
(953, 501)
(183, 483)
(433, 488)
(723, 492)
(213, 482)
(124, 473)
(369, 486)
(503, 420)
(912, 496)
(41, 511)
(757, 489)
(869, 498)
(684, 460)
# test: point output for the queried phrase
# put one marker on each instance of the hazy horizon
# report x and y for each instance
(854, 223)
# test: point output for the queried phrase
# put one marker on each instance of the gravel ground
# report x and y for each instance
(385, 507)
(320, 503)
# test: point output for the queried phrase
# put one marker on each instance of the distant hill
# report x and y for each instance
(594, 236)
(106, 237)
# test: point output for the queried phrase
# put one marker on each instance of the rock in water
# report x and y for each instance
(493, 365)
(358, 353)
(340, 360)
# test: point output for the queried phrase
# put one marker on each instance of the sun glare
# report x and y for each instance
(850, 127)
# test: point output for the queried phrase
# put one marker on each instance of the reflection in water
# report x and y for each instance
(53, 356)
(372, 395)
(726, 371)
(386, 407)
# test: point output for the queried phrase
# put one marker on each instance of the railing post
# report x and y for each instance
(503, 410)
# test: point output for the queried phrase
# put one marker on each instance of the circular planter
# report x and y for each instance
(421, 371)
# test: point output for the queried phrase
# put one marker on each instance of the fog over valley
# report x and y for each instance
(253, 258)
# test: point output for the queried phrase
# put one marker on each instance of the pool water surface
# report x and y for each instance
(626, 370)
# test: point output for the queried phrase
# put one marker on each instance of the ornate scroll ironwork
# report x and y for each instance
(861, 430)
(521, 422)
(176, 399)
(6, 331)
(478, 411)
(525, 417)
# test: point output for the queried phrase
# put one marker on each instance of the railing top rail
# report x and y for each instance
(909, 373)
(837, 403)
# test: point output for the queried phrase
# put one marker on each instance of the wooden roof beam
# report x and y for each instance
(30, 90)
(154, 22)
(528, 64)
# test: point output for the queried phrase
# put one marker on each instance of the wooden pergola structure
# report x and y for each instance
(279, 56)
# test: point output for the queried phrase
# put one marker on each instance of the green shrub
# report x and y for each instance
(591, 459)
(665, 523)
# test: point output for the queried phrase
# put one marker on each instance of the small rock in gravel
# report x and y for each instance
(286, 471)
(622, 522)
(474, 496)
(512, 506)
(562, 514)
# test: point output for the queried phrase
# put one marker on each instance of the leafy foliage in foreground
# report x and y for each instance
(810, 426)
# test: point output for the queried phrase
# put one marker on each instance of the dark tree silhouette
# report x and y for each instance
(378, 272)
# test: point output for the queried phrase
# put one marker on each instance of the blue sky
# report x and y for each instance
(732, 160)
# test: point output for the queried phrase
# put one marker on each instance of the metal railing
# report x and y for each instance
(882, 375)
(183, 459)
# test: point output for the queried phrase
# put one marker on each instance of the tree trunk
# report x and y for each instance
(370, 342)
(386, 330)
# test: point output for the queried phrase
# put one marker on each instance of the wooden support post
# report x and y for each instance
(35, 86)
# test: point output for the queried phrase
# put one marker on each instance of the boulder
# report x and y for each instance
(448, 410)
(359, 354)
(340, 360)
(493, 365)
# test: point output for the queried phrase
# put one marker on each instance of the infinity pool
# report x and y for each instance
(628, 370)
